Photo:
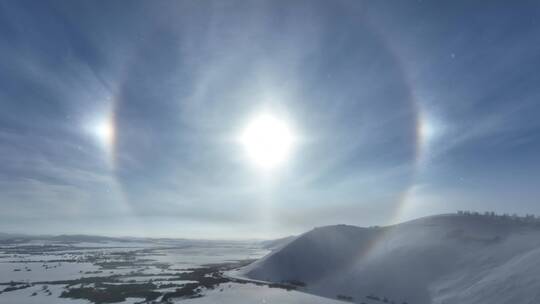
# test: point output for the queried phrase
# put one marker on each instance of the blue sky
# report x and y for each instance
(402, 109)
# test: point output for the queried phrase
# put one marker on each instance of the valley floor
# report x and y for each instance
(42, 272)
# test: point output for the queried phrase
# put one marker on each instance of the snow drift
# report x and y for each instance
(440, 259)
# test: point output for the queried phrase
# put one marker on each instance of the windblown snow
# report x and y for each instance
(440, 259)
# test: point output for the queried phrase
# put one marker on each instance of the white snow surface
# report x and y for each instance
(24, 296)
(233, 293)
(440, 259)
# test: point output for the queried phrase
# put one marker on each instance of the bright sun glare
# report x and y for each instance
(268, 141)
(102, 130)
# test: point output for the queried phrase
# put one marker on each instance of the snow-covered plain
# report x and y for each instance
(250, 293)
(441, 259)
(37, 267)
(24, 296)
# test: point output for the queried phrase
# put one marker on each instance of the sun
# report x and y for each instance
(268, 141)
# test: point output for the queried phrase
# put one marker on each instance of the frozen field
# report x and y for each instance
(134, 271)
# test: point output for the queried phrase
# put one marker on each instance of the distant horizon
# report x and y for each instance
(457, 212)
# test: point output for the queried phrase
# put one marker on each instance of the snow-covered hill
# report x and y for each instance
(277, 243)
(439, 259)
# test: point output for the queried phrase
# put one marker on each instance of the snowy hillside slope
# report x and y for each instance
(440, 259)
(277, 243)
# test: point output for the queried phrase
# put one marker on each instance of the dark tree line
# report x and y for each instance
(528, 218)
